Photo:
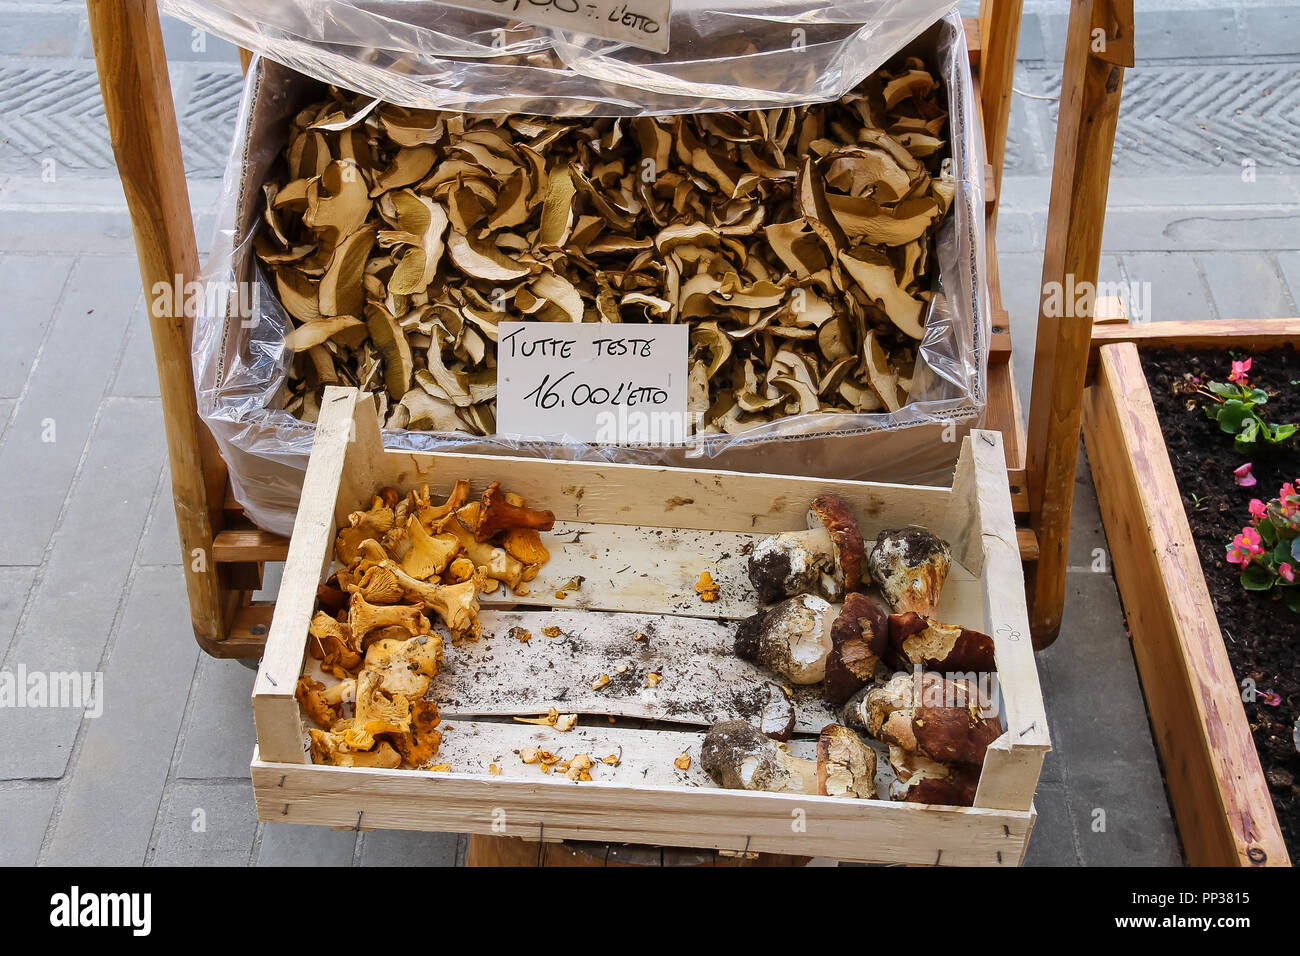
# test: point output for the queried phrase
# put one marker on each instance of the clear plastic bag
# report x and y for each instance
(419, 53)
(240, 365)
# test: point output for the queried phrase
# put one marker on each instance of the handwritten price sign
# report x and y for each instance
(642, 23)
(593, 382)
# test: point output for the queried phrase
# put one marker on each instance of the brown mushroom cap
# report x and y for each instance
(859, 638)
(916, 640)
(926, 781)
(957, 789)
(836, 516)
(943, 721)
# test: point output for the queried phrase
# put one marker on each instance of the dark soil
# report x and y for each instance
(1261, 634)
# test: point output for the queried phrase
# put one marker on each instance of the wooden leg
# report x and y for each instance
(1099, 44)
(999, 34)
(146, 143)
(513, 851)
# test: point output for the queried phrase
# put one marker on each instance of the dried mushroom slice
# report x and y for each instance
(796, 243)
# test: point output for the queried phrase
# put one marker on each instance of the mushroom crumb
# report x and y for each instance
(638, 637)
(653, 678)
(578, 767)
(566, 722)
(536, 755)
(600, 682)
(621, 669)
(522, 635)
(495, 770)
(683, 762)
(549, 720)
(551, 631)
(560, 595)
(706, 588)
(441, 767)
(613, 760)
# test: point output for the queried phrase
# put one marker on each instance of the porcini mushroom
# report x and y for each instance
(921, 780)
(916, 641)
(738, 756)
(929, 720)
(793, 639)
(777, 718)
(826, 558)
(910, 565)
(859, 638)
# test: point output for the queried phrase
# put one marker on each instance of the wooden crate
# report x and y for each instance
(1219, 795)
(670, 524)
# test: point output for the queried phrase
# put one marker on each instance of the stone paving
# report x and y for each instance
(1204, 207)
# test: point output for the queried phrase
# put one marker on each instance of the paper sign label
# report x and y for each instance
(601, 383)
(642, 23)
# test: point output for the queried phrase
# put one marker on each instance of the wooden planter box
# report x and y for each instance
(674, 523)
(1219, 794)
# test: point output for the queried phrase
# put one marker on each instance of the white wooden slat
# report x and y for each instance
(703, 680)
(867, 830)
(646, 757)
(654, 570)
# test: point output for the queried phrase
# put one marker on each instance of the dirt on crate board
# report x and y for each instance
(1261, 634)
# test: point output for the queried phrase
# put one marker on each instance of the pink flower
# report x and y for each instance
(1244, 477)
(1286, 572)
(1239, 371)
(1272, 698)
(1244, 547)
(1285, 495)
(1256, 508)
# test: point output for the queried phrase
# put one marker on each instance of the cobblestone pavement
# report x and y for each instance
(1204, 209)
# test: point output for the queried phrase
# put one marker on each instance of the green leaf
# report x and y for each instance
(1293, 601)
(1282, 432)
(1224, 389)
(1295, 548)
(1256, 577)
(1249, 431)
(1256, 396)
(1231, 416)
(1267, 532)
(1282, 553)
